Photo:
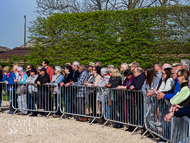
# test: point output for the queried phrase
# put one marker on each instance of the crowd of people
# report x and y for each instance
(168, 82)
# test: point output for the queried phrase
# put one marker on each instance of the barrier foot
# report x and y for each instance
(92, 121)
(152, 135)
(143, 134)
(61, 117)
(134, 130)
(2, 110)
(105, 123)
(48, 115)
(15, 111)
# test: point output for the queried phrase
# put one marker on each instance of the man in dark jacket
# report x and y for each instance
(137, 99)
(43, 97)
(138, 80)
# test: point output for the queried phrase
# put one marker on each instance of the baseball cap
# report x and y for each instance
(20, 69)
(165, 66)
(33, 70)
(43, 69)
(91, 64)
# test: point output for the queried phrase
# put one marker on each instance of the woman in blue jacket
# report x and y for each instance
(9, 78)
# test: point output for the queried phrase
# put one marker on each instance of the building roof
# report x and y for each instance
(4, 49)
(18, 51)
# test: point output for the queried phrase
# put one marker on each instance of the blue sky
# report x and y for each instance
(12, 21)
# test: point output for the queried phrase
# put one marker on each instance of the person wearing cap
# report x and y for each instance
(32, 90)
(22, 97)
(8, 78)
(57, 78)
(166, 84)
(101, 83)
(49, 70)
(42, 97)
(81, 91)
(91, 65)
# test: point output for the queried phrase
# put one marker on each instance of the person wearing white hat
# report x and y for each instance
(56, 79)
(21, 91)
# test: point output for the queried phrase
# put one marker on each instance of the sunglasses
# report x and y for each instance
(163, 73)
(178, 75)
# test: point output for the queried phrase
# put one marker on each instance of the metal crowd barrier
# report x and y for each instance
(83, 101)
(124, 107)
(39, 100)
(5, 95)
(180, 130)
(154, 117)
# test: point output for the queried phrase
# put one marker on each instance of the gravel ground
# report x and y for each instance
(15, 128)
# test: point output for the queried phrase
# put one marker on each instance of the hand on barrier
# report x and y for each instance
(120, 87)
(168, 116)
(150, 93)
(67, 84)
(15, 81)
(6, 82)
(132, 87)
(47, 84)
(62, 83)
(71, 82)
(174, 108)
(86, 83)
(108, 85)
(56, 84)
(38, 83)
(160, 95)
(93, 84)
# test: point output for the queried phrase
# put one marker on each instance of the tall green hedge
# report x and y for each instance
(145, 35)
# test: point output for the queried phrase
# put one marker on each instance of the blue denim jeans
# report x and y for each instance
(68, 103)
(107, 110)
(31, 104)
(57, 100)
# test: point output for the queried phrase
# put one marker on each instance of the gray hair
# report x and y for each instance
(104, 71)
(186, 63)
(76, 63)
(82, 67)
(111, 66)
(135, 64)
(139, 70)
(58, 68)
(125, 66)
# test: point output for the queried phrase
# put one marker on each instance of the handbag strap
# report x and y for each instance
(56, 78)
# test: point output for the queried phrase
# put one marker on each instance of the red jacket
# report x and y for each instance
(49, 71)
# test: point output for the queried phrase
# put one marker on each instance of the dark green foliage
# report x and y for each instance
(145, 35)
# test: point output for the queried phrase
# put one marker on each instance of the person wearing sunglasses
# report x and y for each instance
(182, 98)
